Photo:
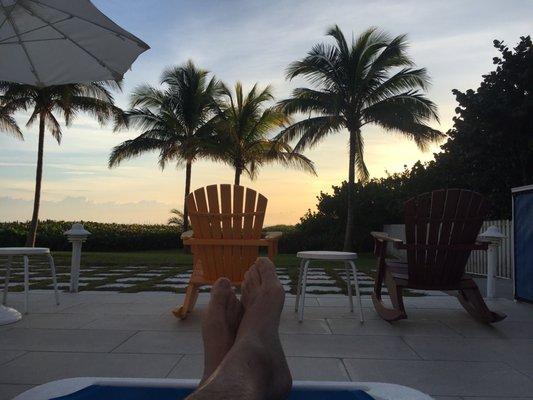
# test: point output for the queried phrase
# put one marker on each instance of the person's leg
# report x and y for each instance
(255, 367)
(219, 325)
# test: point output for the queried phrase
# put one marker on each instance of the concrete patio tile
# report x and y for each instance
(290, 324)
(317, 369)
(302, 368)
(191, 366)
(36, 339)
(8, 355)
(38, 367)
(54, 321)
(163, 342)
(309, 300)
(503, 329)
(497, 398)
(332, 312)
(517, 353)
(447, 398)
(440, 348)
(166, 322)
(399, 328)
(147, 308)
(8, 391)
(444, 378)
(378, 347)
(341, 301)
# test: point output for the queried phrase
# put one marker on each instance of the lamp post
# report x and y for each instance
(493, 237)
(76, 235)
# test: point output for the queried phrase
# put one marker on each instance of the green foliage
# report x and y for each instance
(370, 80)
(489, 150)
(104, 237)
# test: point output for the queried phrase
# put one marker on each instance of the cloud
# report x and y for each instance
(83, 209)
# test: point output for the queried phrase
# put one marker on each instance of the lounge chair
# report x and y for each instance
(441, 228)
(227, 224)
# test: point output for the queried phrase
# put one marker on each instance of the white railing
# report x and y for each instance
(477, 263)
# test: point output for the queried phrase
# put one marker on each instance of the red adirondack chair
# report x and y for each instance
(441, 228)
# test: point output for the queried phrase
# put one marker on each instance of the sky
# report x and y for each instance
(250, 41)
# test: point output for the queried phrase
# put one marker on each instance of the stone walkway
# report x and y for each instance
(133, 279)
(439, 349)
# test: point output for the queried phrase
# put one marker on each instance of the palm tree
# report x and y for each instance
(242, 132)
(176, 219)
(177, 121)
(7, 122)
(63, 100)
(370, 81)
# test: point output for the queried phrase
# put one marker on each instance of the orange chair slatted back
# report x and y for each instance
(229, 213)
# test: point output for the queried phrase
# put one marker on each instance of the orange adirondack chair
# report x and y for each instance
(441, 228)
(227, 223)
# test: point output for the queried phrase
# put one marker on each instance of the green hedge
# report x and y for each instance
(104, 237)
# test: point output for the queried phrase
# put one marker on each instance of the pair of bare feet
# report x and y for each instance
(243, 354)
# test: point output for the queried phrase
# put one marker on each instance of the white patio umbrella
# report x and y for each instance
(53, 42)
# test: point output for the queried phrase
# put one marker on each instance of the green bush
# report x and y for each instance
(104, 237)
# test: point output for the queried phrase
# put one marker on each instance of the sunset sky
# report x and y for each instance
(250, 41)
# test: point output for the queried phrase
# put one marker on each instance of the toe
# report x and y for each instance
(220, 292)
(266, 269)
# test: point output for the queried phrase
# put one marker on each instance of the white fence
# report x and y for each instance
(477, 264)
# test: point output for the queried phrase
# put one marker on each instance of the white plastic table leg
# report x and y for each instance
(299, 288)
(349, 284)
(302, 297)
(357, 291)
(26, 283)
(54, 278)
(6, 281)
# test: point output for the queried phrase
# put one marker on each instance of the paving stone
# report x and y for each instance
(326, 289)
(162, 342)
(8, 355)
(9, 391)
(90, 278)
(37, 339)
(374, 347)
(116, 286)
(171, 285)
(176, 280)
(444, 378)
(379, 327)
(132, 279)
(38, 368)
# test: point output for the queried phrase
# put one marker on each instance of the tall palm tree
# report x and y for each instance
(243, 129)
(45, 103)
(177, 120)
(369, 81)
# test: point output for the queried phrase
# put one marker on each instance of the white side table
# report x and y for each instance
(349, 261)
(10, 315)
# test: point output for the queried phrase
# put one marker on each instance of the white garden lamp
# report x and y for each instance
(493, 237)
(76, 235)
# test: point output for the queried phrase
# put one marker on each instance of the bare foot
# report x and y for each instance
(262, 298)
(219, 325)
(255, 367)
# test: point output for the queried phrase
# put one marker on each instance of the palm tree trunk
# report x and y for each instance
(348, 235)
(188, 170)
(238, 173)
(30, 239)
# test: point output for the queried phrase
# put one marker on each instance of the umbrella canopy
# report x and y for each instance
(54, 42)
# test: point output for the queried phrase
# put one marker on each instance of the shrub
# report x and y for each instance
(104, 237)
